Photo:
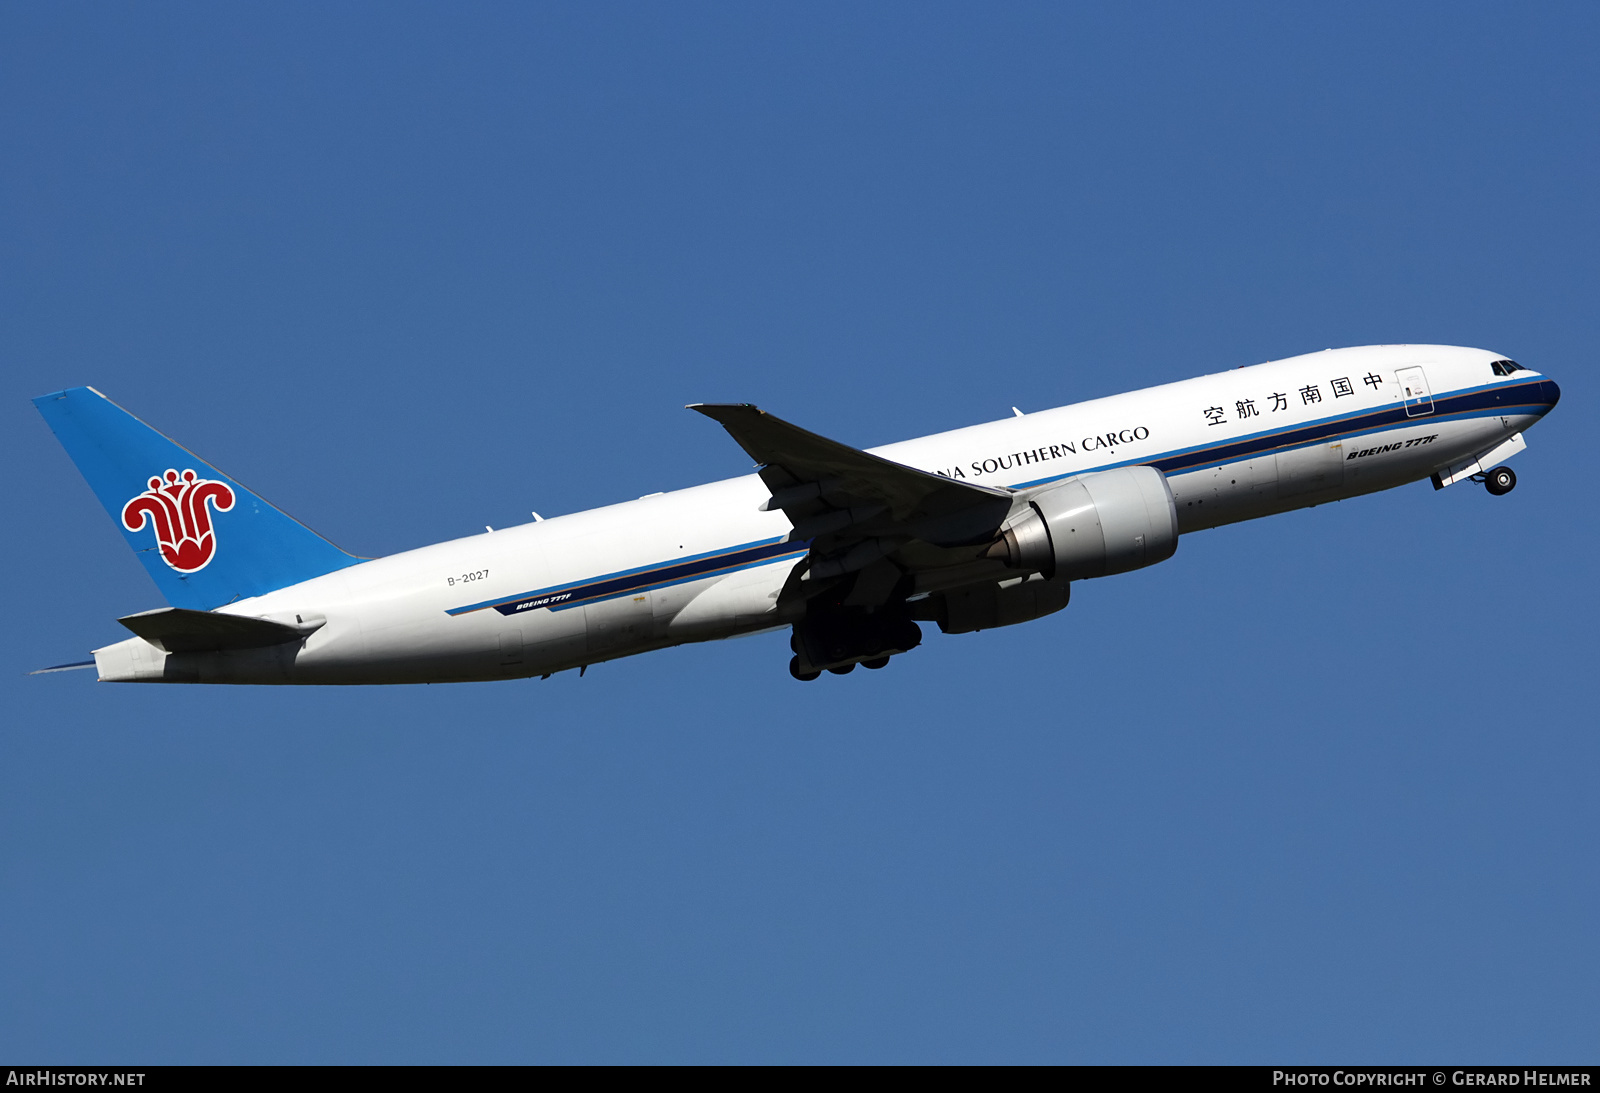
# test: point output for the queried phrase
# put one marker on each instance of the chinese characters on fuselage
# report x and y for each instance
(1310, 394)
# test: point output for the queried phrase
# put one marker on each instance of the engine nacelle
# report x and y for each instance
(1101, 523)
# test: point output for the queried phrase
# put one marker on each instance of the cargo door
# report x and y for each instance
(1414, 390)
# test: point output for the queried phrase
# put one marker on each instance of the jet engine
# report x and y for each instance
(1095, 525)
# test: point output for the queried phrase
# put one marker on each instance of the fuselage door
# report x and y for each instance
(1414, 389)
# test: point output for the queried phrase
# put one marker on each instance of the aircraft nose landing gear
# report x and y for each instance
(1500, 481)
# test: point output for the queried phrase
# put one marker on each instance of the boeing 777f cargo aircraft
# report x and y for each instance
(981, 527)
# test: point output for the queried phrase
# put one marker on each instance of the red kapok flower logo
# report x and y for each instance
(176, 508)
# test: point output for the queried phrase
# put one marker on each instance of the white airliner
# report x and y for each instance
(981, 527)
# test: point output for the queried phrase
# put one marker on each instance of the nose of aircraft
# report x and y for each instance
(1549, 394)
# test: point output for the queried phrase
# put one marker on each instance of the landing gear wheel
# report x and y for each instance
(876, 663)
(803, 677)
(843, 669)
(1500, 481)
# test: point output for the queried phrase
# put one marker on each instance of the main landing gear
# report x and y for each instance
(1500, 481)
(838, 670)
(830, 640)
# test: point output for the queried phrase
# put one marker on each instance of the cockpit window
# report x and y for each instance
(1505, 368)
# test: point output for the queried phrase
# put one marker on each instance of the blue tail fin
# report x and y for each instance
(205, 539)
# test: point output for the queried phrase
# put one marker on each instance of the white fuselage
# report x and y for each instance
(707, 562)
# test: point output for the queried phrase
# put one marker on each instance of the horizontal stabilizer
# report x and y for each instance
(179, 630)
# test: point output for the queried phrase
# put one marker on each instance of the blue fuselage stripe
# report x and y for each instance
(610, 585)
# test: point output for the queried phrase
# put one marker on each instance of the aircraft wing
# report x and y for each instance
(857, 508)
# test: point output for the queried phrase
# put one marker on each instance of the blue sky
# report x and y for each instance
(1318, 789)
